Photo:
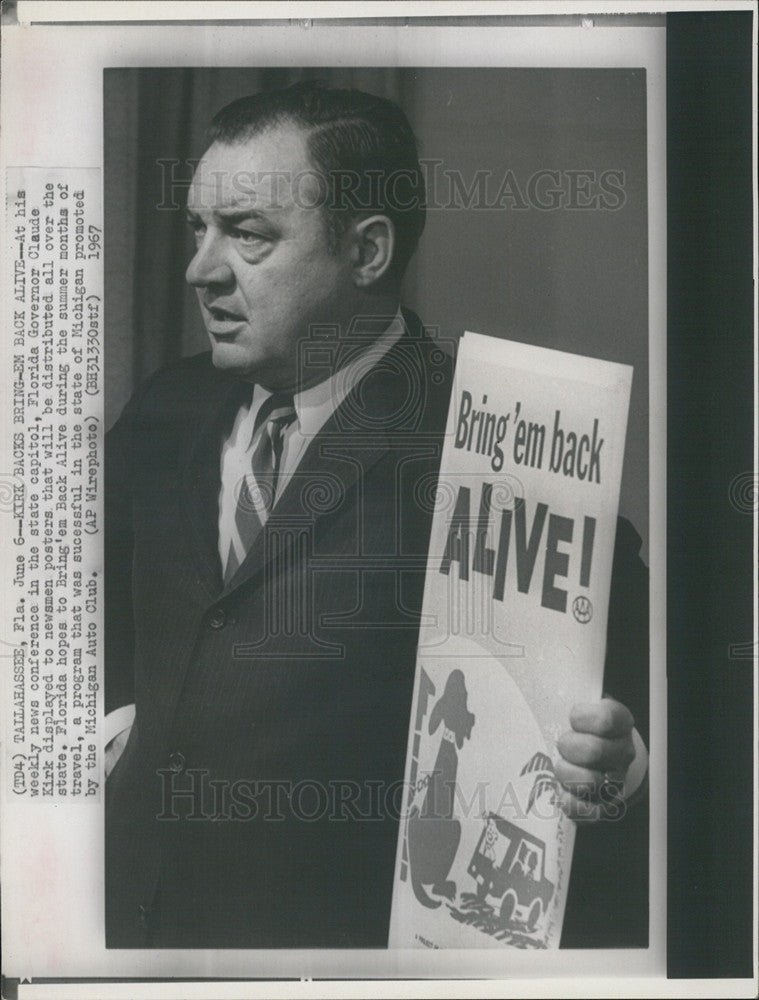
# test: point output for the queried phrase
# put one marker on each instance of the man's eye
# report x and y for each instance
(248, 237)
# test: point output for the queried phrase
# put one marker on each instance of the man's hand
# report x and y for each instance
(594, 758)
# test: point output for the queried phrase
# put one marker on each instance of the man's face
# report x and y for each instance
(264, 268)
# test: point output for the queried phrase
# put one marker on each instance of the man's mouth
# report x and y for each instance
(223, 322)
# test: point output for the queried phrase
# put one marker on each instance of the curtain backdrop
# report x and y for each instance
(572, 277)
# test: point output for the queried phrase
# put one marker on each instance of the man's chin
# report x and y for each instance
(230, 357)
(236, 359)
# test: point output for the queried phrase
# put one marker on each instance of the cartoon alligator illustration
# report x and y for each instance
(433, 834)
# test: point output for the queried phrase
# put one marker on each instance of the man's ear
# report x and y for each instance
(375, 243)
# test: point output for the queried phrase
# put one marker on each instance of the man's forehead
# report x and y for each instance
(264, 171)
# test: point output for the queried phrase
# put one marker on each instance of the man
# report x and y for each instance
(266, 548)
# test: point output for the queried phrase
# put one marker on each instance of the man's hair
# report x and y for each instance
(362, 148)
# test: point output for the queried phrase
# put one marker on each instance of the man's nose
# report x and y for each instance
(209, 265)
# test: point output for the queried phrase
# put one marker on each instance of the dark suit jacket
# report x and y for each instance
(254, 804)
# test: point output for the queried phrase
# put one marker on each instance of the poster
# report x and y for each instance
(516, 601)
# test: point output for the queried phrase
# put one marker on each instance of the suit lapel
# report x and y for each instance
(322, 483)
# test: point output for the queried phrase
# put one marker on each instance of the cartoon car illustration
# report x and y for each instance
(508, 865)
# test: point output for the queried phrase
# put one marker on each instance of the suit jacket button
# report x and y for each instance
(218, 618)
(176, 762)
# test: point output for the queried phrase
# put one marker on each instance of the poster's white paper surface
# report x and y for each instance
(513, 633)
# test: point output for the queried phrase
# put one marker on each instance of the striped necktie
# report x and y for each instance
(259, 489)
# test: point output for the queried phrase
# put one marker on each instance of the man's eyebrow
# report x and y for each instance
(231, 215)
(237, 213)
